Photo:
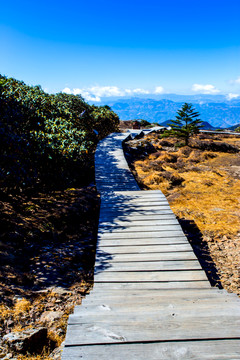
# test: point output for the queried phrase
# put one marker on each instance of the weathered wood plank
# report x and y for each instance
(175, 307)
(136, 223)
(135, 212)
(101, 286)
(184, 255)
(144, 248)
(97, 295)
(142, 276)
(112, 299)
(137, 206)
(142, 241)
(140, 192)
(186, 350)
(137, 229)
(148, 266)
(112, 201)
(142, 235)
(162, 297)
(156, 327)
(138, 218)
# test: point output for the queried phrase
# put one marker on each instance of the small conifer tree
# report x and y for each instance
(186, 124)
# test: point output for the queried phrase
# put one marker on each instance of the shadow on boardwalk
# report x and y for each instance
(201, 250)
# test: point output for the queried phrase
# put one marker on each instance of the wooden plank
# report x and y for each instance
(111, 201)
(162, 296)
(135, 223)
(101, 286)
(137, 218)
(188, 293)
(143, 241)
(142, 212)
(137, 228)
(140, 192)
(148, 266)
(186, 350)
(157, 276)
(180, 327)
(114, 308)
(134, 196)
(138, 206)
(142, 235)
(98, 294)
(184, 255)
(114, 314)
(144, 248)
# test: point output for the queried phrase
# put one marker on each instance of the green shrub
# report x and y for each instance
(47, 138)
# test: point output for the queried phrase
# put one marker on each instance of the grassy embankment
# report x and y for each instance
(202, 185)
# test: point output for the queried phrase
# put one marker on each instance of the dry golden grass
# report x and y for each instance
(43, 356)
(209, 195)
(211, 199)
(21, 306)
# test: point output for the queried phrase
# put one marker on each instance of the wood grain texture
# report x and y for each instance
(181, 350)
(156, 328)
(149, 266)
(143, 276)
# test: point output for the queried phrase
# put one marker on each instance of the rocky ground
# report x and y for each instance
(201, 182)
(47, 249)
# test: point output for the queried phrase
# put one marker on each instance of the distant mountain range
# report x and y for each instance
(214, 109)
(205, 125)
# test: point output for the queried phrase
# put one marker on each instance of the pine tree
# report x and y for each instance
(186, 124)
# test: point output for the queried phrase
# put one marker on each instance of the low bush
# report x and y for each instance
(47, 139)
(218, 146)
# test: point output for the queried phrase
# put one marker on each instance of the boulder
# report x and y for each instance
(30, 340)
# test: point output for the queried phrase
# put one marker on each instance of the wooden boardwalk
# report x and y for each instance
(151, 299)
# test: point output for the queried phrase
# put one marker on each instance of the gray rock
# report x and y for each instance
(30, 340)
(51, 316)
(57, 353)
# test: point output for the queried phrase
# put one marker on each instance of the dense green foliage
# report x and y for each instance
(47, 138)
(145, 123)
(186, 123)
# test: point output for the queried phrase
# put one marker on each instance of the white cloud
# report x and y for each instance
(95, 93)
(236, 81)
(67, 91)
(205, 89)
(232, 96)
(139, 91)
(106, 91)
(159, 90)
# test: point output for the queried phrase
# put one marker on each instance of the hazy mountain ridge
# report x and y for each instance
(215, 110)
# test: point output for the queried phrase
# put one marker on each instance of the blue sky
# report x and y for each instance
(101, 48)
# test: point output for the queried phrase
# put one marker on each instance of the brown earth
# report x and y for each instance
(201, 182)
